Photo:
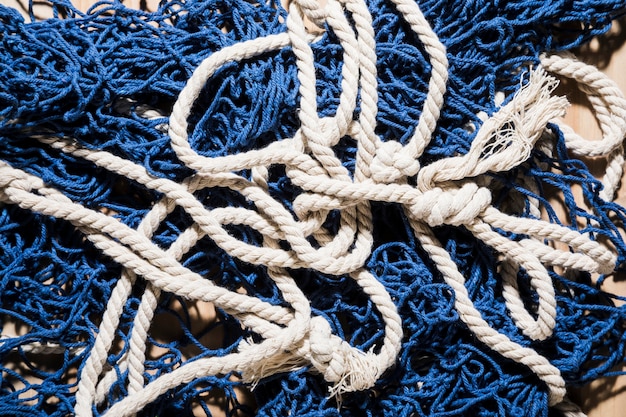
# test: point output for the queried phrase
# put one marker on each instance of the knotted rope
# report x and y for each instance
(454, 191)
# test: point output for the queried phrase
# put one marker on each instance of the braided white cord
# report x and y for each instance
(364, 131)
(472, 317)
(136, 353)
(124, 244)
(609, 106)
(606, 98)
(613, 174)
(285, 225)
(438, 79)
(338, 22)
(540, 281)
(94, 364)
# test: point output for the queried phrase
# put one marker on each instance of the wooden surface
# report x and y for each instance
(605, 397)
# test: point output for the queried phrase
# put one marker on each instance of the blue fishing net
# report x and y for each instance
(91, 75)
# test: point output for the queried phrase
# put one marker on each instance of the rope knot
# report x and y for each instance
(330, 131)
(313, 11)
(452, 206)
(347, 367)
(392, 162)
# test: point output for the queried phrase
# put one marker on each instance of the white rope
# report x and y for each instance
(450, 191)
(609, 108)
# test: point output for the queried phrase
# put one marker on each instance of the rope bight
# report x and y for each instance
(363, 192)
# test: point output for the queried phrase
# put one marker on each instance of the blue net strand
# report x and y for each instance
(91, 75)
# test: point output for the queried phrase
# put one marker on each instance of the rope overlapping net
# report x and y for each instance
(359, 193)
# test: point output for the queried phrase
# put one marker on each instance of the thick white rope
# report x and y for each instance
(450, 191)
(609, 108)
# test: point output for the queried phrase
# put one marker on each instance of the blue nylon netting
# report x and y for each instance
(88, 75)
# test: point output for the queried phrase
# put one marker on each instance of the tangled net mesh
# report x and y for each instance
(107, 80)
